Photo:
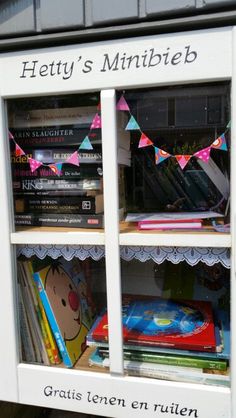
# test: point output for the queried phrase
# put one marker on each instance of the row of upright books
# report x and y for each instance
(74, 196)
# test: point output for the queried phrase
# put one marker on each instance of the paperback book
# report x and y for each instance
(60, 220)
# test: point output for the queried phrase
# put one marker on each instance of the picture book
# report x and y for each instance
(66, 298)
(153, 321)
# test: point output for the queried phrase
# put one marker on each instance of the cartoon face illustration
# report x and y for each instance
(65, 301)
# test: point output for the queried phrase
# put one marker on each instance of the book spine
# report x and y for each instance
(52, 184)
(56, 204)
(62, 220)
(178, 361)
(61, 155)
(53, 323)
(68, 171)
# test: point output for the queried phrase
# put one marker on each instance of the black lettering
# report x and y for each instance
(62, 394)
(134, 57)
(153, 57)
(48, 391)
(43, 71)
(144, 56)
(68, 71)
(87, 66)
(110, 66)
(32, 69)
(182, 411)
(52, 65)
(193, 411)
(166, 55)
(123, 61)
(190, 54)
(176, 58)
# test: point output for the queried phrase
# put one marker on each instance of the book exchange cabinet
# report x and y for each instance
(117, 224)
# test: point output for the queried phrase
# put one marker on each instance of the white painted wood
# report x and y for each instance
(126, 396)
(70, 237)
(213, 62)
(176, 239)
(233, 227)
(111, 218)
(8, 331)
(170, 58)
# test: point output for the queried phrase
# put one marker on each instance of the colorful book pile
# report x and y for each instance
(55, 310)
(59, 192)
(167, 339)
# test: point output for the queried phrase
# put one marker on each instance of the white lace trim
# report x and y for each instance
(192, 255)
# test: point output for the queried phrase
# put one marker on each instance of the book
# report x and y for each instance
(153, 321)
(166, 372)
(59, 204)
(56, 184)
(175, 224)
(60, 219)
(170, 359)
(49, 341)
(62, 289)
(68, 171)
(49, 155)
(171, 216)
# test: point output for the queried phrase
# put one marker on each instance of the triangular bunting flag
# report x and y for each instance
(228, 125)
(132, 125)
(203, 154)
(86, 144)
(56, 168)
(144, 141)
(183, 160)
(19, 151)
(220, 143)
(96, 123)
(34, 164)
(122, 104)
(10, 136)
(160, 155)
(73, 159)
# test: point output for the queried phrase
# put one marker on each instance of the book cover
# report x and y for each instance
(63, 291)
(59, 204)
(152, 321)
(60, 220)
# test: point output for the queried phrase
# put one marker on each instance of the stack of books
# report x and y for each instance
(74, 197)
(167, 339)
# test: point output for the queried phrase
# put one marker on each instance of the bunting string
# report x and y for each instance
(161, 155)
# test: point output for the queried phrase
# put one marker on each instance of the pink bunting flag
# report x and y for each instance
(203, 154)
(144, 141)
(220, 143)
(19, 151)
(183, 160)
(10, 136)
(56, 168)
(96, 123)
(122, 104)
(34, 164)
(160, 155)
(73, 159)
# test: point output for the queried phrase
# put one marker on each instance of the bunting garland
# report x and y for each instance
(144, 141)
(73, 159)
(161, 155)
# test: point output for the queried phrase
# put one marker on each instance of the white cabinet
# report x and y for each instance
(188, 58)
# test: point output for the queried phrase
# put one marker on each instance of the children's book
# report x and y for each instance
(153, 321)
(66, 299)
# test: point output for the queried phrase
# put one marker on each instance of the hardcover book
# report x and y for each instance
(152, 321)
(65, 296)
